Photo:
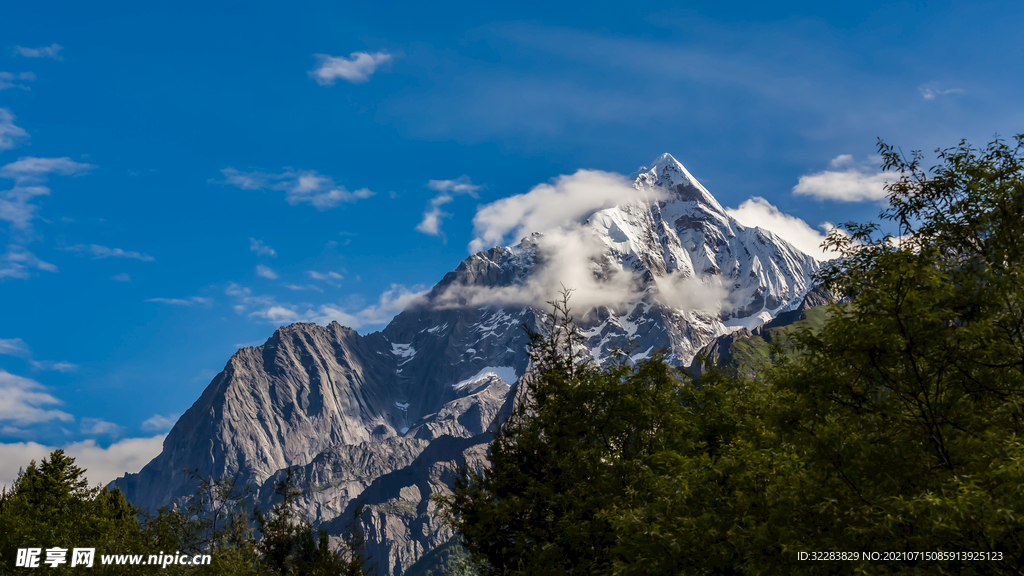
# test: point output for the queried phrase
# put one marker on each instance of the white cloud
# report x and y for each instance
(32, 169)
(329, 276)
(300, 186)
(100, 427)
(18, 347)
(29, 174)
(62, 367)
(18, 262)
(390, 302)
(122, 277)
(930, 91)
(98, 252)
(158, 422)
(574, 256)
(357, 68)
(691, 292)
(245, 299)
(51, 51)
(265, 272)
(14, 347)
(261, 249)
(22, 400)
(431, 223)
(7, 80)
(854, 183)
(758, 212)
(303, 287)
(10, 134)
(102, 465)
(461, 185)
(180, 301)
(566, 200)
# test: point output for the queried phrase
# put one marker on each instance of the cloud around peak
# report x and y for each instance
(758, 212)
(567, 199)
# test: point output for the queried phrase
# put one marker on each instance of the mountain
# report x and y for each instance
(386, 418)
(747, 352)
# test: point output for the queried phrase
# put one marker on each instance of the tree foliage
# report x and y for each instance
(51, 505)
(581, 440)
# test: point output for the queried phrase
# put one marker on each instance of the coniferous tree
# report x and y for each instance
(582, 440)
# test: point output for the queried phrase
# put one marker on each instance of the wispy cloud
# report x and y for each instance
(265, 272)
(158, 422)
(431, 223)
(22, 402)
(11, 135)
(267, 308)
(930, 91)
(100, 427)
(304, 287)
(433, 216)
(181, 301)
(14, 347)
(849, 181)
(122, 277)
(300, 186)
(18, 347)
(50, 365)
(29, 175)
(51, 51)
(357, 68)
(8, 79)
(18, 262)
(326, 276)
(461, 185)
(97, 252)
(261, 249)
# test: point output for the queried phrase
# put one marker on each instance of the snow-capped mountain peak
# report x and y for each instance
(382, 418)
(669, 174)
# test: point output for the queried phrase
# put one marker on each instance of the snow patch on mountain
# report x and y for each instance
(506, 373)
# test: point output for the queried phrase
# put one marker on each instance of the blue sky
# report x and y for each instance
(177, 181)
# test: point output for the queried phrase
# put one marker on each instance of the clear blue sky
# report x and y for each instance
(151, 158)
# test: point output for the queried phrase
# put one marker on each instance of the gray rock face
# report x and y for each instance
(385, 419)
(277, 405)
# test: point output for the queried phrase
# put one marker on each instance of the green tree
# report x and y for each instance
(290, 545)
(51, 505)
(581, 440)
